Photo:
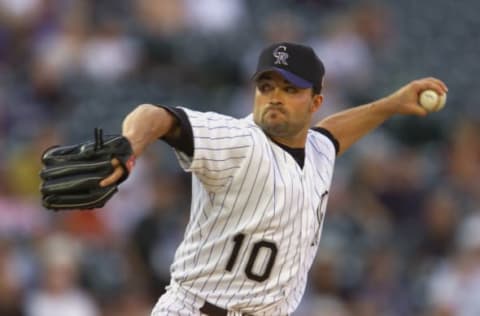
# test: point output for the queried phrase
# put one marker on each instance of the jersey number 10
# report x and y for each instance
(260, 277)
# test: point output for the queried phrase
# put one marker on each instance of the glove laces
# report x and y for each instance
(98, 133)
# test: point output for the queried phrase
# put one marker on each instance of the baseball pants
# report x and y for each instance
(178, 302)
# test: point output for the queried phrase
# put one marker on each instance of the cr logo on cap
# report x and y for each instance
(281, 55)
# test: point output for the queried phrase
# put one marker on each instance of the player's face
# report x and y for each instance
(281, 109)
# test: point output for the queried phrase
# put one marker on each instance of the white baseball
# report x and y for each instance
(431, 101)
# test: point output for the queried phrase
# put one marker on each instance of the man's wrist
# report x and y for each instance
(136, 143)
(383, 108)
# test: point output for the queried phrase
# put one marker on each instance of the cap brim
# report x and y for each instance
(290, 77)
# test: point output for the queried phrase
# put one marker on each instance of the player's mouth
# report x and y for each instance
(274, 109)
(273, 114)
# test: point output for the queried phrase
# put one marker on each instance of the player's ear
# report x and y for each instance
(317, 101)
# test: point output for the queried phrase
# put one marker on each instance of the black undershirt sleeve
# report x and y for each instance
(329, 135)
(184, 141)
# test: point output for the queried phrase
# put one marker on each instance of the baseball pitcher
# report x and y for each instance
(260, 184)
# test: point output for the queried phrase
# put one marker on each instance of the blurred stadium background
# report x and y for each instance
(402, 232)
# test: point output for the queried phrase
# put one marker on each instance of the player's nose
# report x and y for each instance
(276, 96)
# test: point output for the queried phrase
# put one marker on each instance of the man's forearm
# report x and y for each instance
(350, 125)
(146, 124)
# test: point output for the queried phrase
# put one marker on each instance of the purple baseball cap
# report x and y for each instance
(297, 63)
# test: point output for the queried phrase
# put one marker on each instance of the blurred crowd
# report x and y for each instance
(402, 231)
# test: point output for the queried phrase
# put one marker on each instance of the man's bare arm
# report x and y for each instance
(144, 125)
(147, 123)
(350, 125)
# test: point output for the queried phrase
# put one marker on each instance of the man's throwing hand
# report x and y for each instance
(406, 100)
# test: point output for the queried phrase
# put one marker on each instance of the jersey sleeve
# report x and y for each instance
(324, 153)
(220, 145)
(184, 142)
(328, 135)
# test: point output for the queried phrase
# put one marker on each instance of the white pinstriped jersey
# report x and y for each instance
(256, 215)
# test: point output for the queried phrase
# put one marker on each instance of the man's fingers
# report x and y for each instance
(115, 162)
(434, 84)
(437, 87)
(114, 176)
(419, 111)
(441, 84)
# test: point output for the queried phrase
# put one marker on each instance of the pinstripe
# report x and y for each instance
(216, 117)
(291, 215)
(226, 222)
(217, 127)
(213, 226)
(169, 305)
(209, 233)
(330, 162)
(205, 175)
(218, 160)
(198, 203)
(216, 170)
(311, 207)
(234, 203)
(326, 145)
(319, 196)
(302, 269)
(273, 161)
(322, 201)
(221, 137)
(222, 148)
(250, 237)
(243, 211)
(297, 250)
(321, 177)
(211, 185)
(318, 171)
(243, 185)
(183, 300)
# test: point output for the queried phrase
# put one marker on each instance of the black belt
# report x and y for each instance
(212, 310)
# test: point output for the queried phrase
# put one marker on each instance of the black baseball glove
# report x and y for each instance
(71, 174)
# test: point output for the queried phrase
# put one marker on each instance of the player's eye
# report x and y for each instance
(291, 89)
(265, 87)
